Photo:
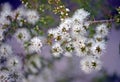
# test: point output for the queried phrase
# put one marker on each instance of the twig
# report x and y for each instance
(102, 21)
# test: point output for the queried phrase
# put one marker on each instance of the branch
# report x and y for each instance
(102, 21)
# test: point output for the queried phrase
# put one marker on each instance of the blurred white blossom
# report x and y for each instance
(102, 30)
(90, 64)
(14, 63)
(22, 35)
(5, 50)
(6, 11)
(35, 45)
(32, 16)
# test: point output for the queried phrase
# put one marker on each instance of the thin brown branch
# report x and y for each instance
(101, 21)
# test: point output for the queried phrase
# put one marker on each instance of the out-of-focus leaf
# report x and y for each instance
(91, 32)
(46, 21)
(44, 1)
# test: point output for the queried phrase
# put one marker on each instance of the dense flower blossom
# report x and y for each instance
(75, 30)
(72, 36)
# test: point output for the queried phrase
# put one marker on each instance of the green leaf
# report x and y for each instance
(91, 32)
(44, 1)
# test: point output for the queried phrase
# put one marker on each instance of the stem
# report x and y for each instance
(101, 21)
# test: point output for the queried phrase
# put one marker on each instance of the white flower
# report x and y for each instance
(90, 42)
(79, 40)
(86, 24)
(90, 64)
(6, 21)
(65, 25)
(56, 50)
(99, 38)
(69, 48)
(65, 37)
(19, 12)
(62, 37)
(35, 45)
(22, 35)
(98, 48)
(51, 32)
(82, 50)
(5, 50)
(78, 29)
(14, 63)
(80, 46)
(32, 16)
(6, 10)
(57, 35)
(80, 15)
(102, 30)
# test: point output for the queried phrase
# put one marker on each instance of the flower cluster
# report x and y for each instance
(10, 65)
(7, 14)
(73, 36)
(12, 23)
(21, 33)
